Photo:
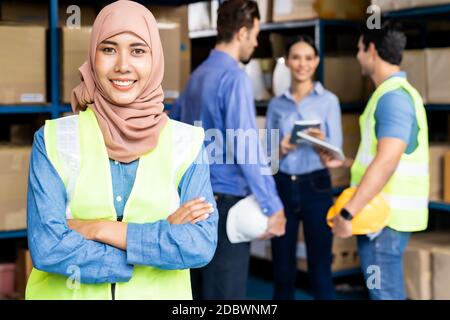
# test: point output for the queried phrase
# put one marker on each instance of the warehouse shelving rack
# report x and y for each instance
(319, 26)
(55, 108)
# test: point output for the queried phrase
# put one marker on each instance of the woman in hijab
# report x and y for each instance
(119, 201)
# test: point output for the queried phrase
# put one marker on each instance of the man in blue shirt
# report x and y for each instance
(219, 94)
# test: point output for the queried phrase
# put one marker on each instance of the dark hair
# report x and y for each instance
(389, 41)
(301, 38)
(232, 15)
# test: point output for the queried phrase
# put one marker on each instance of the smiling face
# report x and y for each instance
(123, 66)
(302, 61)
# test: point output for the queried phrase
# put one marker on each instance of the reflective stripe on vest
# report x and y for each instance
(407, 190)
(76, 148)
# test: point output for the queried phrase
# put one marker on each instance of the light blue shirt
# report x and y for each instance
(282, 113)
(55, 248)
(220, 95)
(395, 117)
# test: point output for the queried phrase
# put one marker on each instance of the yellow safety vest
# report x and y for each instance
(407, 190)
(76, 148)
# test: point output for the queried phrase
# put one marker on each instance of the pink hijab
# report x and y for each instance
(129, 130)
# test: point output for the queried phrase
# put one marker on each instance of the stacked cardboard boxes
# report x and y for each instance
(427, 265)
(437, 154)
(14, 163)
(22, 62)
(36, 13)
(340, 177)
(389, 5)
(288, 10)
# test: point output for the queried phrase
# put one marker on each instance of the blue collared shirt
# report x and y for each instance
(56, 249)
(321, 105)
(220, 95)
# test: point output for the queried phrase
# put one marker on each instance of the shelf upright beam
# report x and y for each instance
(54, 58)
(415, 12)
(319, 33)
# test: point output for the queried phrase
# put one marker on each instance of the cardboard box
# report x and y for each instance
(288, 10)
(37, 13)
(437, 152)
(447, 176)
(350, 90)
(417, 262)
(179, 15)
(23, 63)
(344, 253)
(414, 63)
(441, 271)
(14, 163)
(385, 5)
(340, 177)
(438, 80)
(75, 44)
(170, 38)
(24, 265)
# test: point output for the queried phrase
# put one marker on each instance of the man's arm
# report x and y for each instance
(389, 152)
(240, 115)
(395, 117)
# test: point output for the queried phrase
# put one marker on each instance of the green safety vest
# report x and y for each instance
(407, 190)
(76, 148)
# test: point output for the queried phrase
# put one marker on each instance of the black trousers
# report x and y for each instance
(225, 277)
(306, 198)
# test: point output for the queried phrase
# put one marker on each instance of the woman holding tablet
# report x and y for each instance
(303, 181)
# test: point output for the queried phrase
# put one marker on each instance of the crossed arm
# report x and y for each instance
(55, 247)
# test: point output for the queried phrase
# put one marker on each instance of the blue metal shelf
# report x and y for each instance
(433, 205)
(345, 273)
(276, 26)
(440, 206)
(416, 12)
(11, 109)
(13, 234)
(438, 107)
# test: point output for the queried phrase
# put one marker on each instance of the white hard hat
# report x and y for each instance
(245, 221)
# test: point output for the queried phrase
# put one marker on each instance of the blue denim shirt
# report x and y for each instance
(321, 105)
(55, 248)
(220, 95)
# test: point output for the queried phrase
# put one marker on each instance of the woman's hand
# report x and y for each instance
(193, 211)
(286, 146)
(316, 133)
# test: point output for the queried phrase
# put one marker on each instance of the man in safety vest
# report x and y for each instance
(392, 160)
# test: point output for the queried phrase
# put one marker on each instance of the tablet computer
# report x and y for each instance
(335, 151)
(302, 125)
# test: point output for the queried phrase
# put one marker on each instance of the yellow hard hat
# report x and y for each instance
(372, 218)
